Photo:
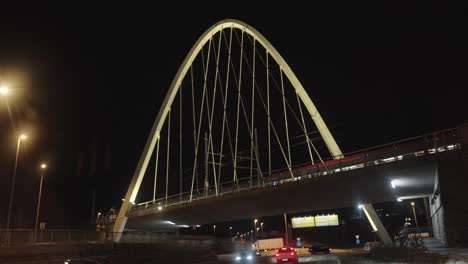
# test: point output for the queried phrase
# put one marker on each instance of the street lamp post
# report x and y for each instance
(255, 228)
(43, 167)
(414, 214)
(21, 137)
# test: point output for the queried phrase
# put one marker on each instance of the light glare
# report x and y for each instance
(4, 90)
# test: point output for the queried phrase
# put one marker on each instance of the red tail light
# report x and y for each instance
(277, 255)
(292, 253)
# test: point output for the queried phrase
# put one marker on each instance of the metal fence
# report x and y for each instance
(26, 236)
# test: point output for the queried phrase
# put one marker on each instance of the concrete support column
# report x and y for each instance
(376, 224)
(120, 224)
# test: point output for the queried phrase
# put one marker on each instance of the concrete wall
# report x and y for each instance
(437, 213)
(449, 204)
(118, 252)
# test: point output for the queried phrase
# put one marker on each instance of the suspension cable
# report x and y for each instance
(199, 123)
(244, 111)
(252, 117)
(238, 105)
(305, 129)
(156, 169)
(224, 98)
(278, 87)
(268, 112)
(285, 116)
(168, 149)
(180, 143)
(272, 125)
(194, 119)
(210, 140)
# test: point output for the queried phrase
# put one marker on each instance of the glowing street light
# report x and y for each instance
(4, 90)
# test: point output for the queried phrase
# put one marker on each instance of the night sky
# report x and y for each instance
(88, 80)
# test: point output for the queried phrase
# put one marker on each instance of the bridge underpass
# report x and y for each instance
(351, 188)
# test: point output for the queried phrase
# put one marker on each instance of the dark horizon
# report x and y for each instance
(88, 82)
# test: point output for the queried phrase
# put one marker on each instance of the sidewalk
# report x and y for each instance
(461, 253)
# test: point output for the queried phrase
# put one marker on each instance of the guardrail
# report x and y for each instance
(424, 145)
(26, 236)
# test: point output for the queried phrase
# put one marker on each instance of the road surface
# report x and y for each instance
(318, 259)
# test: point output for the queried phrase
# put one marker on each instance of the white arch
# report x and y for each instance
(173, 89)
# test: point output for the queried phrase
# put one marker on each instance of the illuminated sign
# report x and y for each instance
(326, 220)
(302, 222)
(313, 221)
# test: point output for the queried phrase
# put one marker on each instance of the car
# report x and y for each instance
(91, 260)
(287, 255)
(371, 245)
(317, 248)
(245, 256)
(81, 261)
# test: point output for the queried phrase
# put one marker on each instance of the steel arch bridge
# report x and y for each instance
(231, 88)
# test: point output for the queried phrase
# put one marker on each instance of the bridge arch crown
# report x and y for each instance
(176, 84)
(233, 23)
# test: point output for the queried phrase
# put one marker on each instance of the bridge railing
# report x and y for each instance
(427, 144)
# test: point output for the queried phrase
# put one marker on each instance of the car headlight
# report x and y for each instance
(238, 258)
(249, 257)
